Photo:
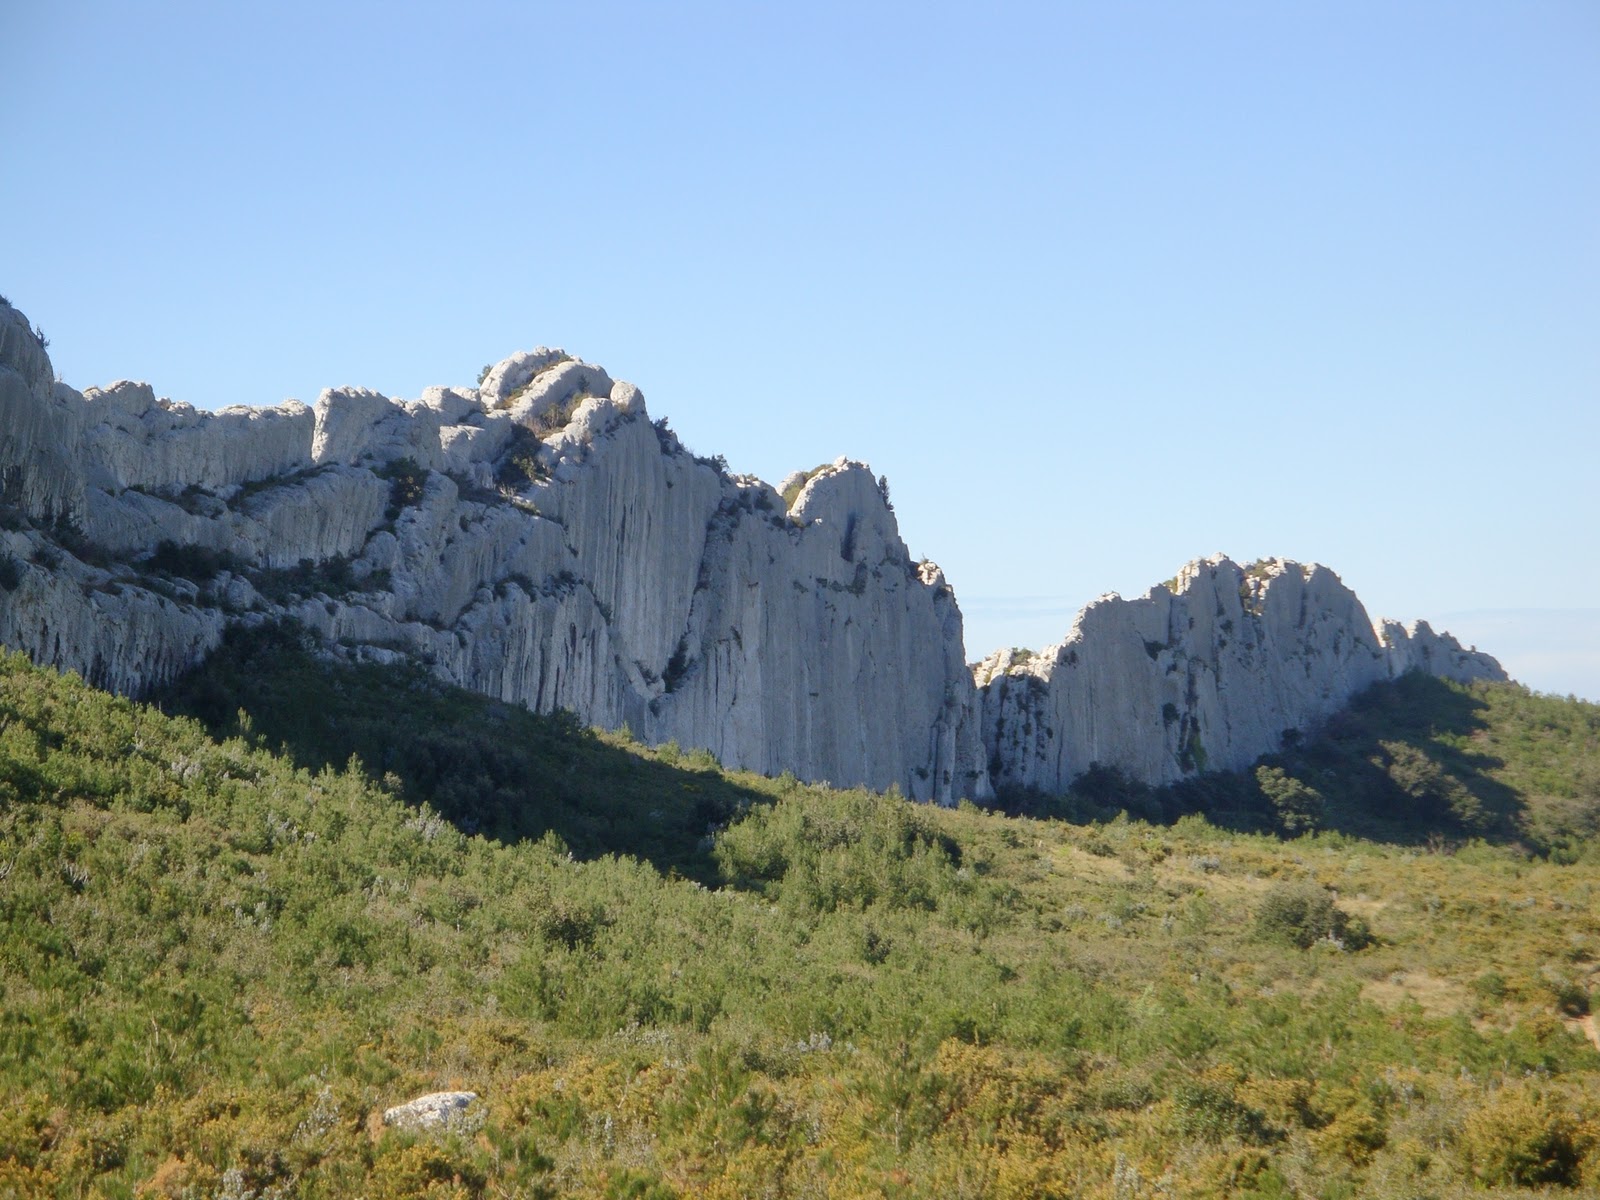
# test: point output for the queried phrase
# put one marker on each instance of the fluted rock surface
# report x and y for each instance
(1207, 672)
(67, 614)
(537, 538)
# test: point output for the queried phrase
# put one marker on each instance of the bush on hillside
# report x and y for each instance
(1298, 806)
(199, 563)
(1302, 914)
(1525, 1138)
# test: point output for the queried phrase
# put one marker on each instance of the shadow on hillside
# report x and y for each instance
(490, 768)
(1398, 765)
(1406, 751)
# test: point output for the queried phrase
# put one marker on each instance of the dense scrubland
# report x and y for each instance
(231, 939)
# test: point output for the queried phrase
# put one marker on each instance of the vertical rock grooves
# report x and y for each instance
(1205, 673)
(539, 539)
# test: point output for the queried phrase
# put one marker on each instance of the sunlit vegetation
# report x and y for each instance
(223, 958)
(792, 492)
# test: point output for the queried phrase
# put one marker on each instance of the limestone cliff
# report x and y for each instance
(539, 539)
(1206, 672)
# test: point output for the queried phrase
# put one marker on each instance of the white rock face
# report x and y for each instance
(1416, 647)
(436, 1110)
(64, 614)
(536, 539)
(1205, 675)
(133, 440)
(539, 540)
(816, 639)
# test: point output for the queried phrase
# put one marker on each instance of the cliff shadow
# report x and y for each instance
(488, 767)
(1402, 763)
(1406, 762)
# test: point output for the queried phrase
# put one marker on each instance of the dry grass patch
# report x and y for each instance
(1082, 865)
(1436, 997)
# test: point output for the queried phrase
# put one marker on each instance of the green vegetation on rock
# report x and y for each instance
(792, 492)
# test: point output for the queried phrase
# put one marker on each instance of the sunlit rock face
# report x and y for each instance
(539, 539)
(536, 538)
(1416, 647)
(1207, 672)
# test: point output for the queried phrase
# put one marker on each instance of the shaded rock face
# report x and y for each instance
(537, 539)
(540, 540)
(1207, 673)
(40, 425)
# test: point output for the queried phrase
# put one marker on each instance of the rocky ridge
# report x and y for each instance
(537, 538)
(540, 539)
(1207, 672)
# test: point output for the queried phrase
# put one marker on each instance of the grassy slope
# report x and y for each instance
(217, 965)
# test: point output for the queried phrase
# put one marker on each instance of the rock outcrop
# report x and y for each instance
(539, 539)
(40, 425)
(1206, 672)
(436, 1110)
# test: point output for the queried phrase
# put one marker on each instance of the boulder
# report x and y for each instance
(436, 1110)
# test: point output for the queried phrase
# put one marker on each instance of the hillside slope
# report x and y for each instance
(217, 968)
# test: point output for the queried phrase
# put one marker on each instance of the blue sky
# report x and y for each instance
(1100, 287)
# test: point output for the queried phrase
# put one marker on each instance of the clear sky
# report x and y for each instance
(1100, 287)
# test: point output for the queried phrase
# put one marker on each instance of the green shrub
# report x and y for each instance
(1491, 985)
(199, 563)
(519, 462)
(331, 577)
(69, 535)
(1108, 790)
(1302, 914)
(1206, 1109)
(829, 850)
(1298, 806)
(1525, 1138)
(1572, 998)
(792, 492)
(407, 481)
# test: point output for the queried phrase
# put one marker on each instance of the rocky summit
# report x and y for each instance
(539, 539)
(1210, 671)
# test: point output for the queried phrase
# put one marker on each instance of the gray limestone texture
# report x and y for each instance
(1205, 673)
(539, 539)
